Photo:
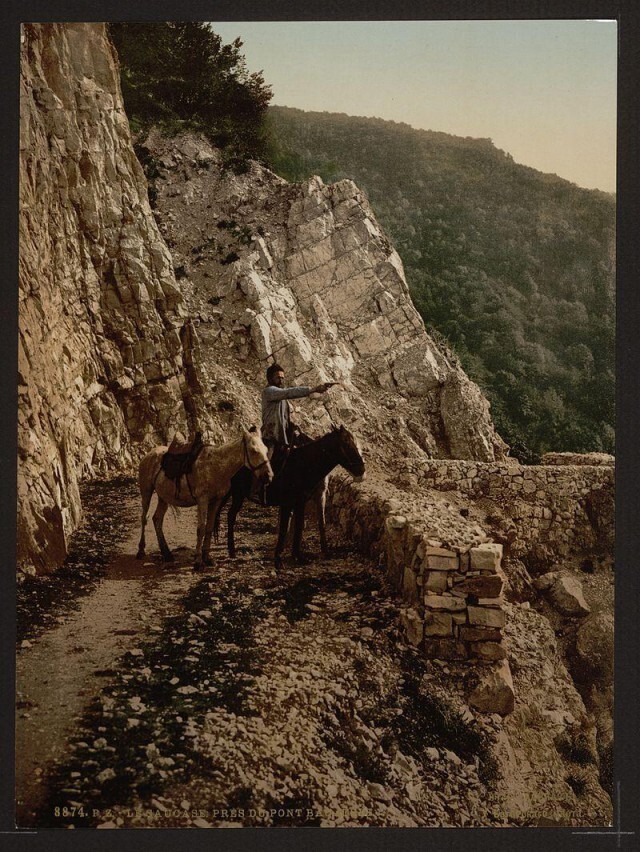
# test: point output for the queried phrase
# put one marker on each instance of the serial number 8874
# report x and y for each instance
(70, 812)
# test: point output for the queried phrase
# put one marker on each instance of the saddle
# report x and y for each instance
(179, 459)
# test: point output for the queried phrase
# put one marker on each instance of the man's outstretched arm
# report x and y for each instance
(273, 394)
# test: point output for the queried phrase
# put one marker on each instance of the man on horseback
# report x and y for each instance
(278, 432)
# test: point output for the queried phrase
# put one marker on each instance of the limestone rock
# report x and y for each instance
(444, 602)
(480, 634)
(486, 557)
(488, 651)
(489, 586)
(413, 625)
(100, 358)
(545, 581)
(438, 624)
(494, 693)
(419, 370)
(567, 597)
(486, 616)
(436, 581)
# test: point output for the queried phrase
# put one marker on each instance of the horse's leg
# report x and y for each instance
(158, 518)
(216, 522)
(298, 528)
(321, 502)
(145, 496)
(203, 511)
(212, 512)
(236, 505)
(285, 514)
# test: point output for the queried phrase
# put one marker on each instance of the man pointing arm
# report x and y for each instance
(276, 411)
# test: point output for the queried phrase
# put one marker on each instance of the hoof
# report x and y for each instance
(167, 557)
(198, 566)
(302, 559)
(277, 564)
(140, 554)
(208, 561)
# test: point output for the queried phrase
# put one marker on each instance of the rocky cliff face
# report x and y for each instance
(304, 274)
(109, 363)
(100, 361)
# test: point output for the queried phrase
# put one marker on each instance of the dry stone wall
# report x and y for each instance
(452, 589)
(567, 508)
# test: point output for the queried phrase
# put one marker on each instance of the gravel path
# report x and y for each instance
(238, 697)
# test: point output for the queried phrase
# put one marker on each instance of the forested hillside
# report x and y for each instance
(514, 267)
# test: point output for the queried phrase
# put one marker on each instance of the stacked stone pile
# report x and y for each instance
(462, 596)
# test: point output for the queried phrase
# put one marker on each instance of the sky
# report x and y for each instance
(544, 91)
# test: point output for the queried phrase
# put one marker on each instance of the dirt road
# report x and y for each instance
(237, 697)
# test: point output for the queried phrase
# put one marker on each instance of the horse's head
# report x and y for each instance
(256, 454)
(350, 453)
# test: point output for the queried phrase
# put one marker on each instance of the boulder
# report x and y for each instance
(494, 693)
(567, 597)
(595, 645)
(545, 581)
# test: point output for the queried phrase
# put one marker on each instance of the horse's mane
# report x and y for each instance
(216, 448)
(310, 443)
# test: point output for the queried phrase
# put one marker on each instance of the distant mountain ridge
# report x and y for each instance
(514, 267)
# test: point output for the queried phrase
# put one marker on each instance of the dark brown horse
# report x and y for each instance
(302, 476)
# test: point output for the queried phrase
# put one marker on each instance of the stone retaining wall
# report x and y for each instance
(453, 593)
(569, 508)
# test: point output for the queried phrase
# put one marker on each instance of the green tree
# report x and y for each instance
(179, 75)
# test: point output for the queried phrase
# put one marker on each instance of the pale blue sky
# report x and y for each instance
(545, 91)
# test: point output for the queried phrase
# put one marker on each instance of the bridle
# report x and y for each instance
(252, 467)
(345, 457)
(341, 451)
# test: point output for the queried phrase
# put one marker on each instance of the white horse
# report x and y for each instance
(205, 486)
